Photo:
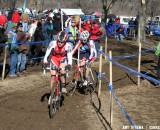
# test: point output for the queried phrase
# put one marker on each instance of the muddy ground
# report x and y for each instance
(23, 100)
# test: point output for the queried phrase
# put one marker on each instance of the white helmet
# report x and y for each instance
(84, 35)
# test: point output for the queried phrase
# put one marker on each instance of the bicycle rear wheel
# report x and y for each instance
(91, 86)
(74, 83)
(54, 101)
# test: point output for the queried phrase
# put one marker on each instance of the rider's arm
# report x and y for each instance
(93, 52)
(69, 53)
(48, 51)
(76, 47)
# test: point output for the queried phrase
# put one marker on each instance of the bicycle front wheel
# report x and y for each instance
(93, 81)
(54, 101)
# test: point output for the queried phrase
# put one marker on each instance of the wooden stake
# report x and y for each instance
(100, 71)
(106, 47)
(139, 56)
(139, 62)
(4, 62)
(111, 96)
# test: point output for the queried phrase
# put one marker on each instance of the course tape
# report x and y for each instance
(18, 43)
(118, 102)
(129, 56)
(130, 70)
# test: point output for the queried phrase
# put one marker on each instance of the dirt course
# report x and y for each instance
(23, 100)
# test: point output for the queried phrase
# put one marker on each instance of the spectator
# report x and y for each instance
(73, 32)
(136, 21)
(9, 27)
(13, 50)
(48, 30)
(3, 19)
(56, 25)
(69, 21)
(16, 17)
(117, 20)
(42, 21)
(25, 21)
(23, 49)
(80, 27)
(131, 24)
(88, 25)
(120, 33)
(157, 52)
(3, 37)
(110, 28)
(33, 28)
(37, 48)
(96, 32)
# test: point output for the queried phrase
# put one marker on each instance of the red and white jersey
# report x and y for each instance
(59, 53)
(84, 47)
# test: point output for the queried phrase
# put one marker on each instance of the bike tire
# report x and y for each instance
(91, 86)
(54, 102)
(75, 83)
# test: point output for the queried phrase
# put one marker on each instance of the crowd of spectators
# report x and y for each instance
(18, 27)
(120, 31)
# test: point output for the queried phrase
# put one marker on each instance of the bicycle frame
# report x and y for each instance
(77, 74)
(55, 96)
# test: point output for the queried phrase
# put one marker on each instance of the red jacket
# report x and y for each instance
(16, 17)
(95, 32)
(3, 19)
(87, 27)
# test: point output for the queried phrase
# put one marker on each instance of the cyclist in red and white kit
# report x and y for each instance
(61, 57)
(88, 53)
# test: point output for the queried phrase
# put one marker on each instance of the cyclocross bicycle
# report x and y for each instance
(54, 101)
(78, 79)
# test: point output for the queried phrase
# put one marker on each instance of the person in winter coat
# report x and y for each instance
(13, 50)
(25, 21)
(88, 25)
(37, 48)
(56, 25)
(48, 30)
(9, 17)
(3, 37)
(22, 37)
(3, 18)
(16, 17)
(73, 33)
(96, 32)
(32, 28)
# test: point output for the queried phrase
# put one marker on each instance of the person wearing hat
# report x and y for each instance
(73, 32)
(13, 50)
(3, 37)
(25, 20)
(56, 25)
(23, 49)
(37, 48)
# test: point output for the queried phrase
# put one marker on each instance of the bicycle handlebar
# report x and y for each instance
(44, 67)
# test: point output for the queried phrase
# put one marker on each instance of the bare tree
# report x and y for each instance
(107, 6)
(9, 4)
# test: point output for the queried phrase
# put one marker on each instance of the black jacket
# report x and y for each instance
(56, 25)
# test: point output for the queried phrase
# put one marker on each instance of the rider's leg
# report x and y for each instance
(53, 75)
(53, 68)
(63, 72)
(82, 64)
(63, 77)
(87, 72)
